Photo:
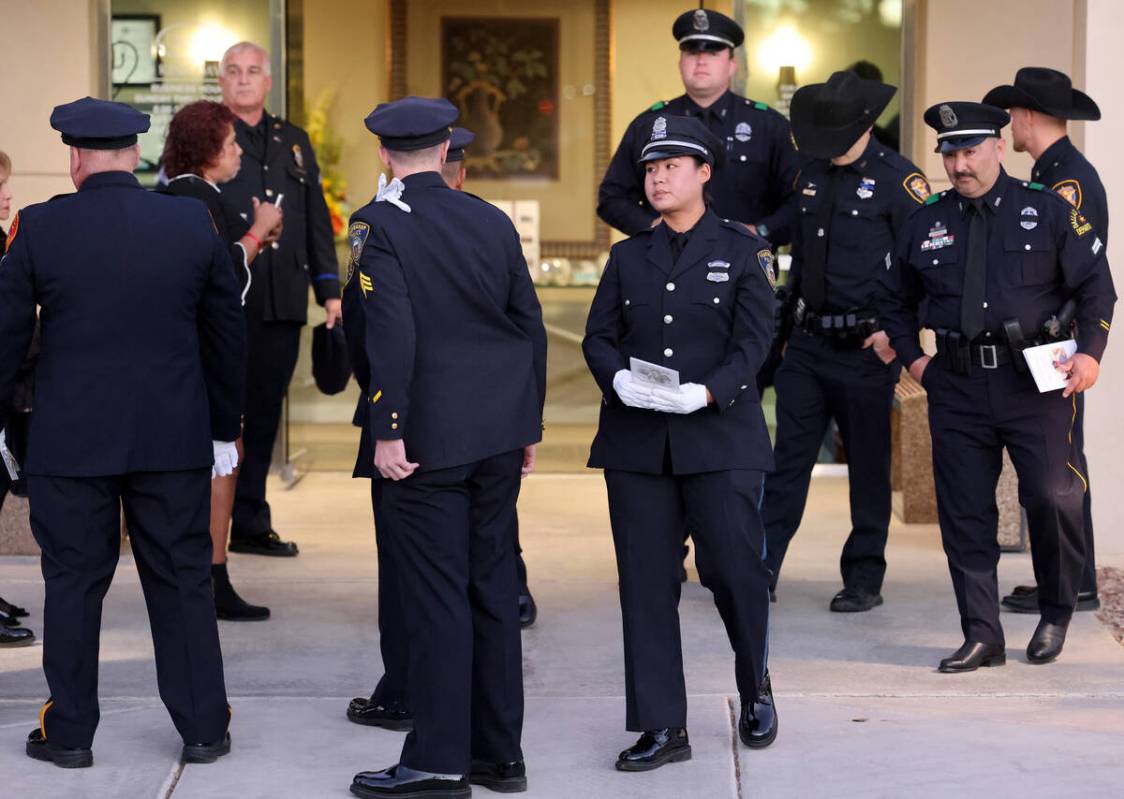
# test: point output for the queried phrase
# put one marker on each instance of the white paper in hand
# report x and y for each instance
(1041, 360)
(654, 375)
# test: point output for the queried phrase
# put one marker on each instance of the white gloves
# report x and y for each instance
(226, 458)
(689, 398)
(632, 394)
(9, 459)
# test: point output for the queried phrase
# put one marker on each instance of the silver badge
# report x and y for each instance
(717, 277)
(1028, 218)
(659, 129)
(700, 21)
(948, 116)
(743, 131)
(718, 265)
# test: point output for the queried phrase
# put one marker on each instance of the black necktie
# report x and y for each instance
(678, 243)
(815, 253)
(975, 274)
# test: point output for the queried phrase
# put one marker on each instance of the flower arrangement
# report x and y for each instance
(329, 147)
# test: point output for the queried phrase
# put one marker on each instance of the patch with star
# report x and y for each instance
(1079, 223)
(1070, 189)
(917, 187)
(768, 263)
(356, 238)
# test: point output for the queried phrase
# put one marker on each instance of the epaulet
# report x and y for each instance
(737, 226)
(1035, 186)
(935, 198)
(756, 104)
(60, 196)
(658, 105)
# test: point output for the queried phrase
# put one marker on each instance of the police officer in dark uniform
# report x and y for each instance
(279, 166)
(450, 318)
(1040, 102)
(693, 295)
(852, 200)
(986, 265)
(138, 396)
(761, 161)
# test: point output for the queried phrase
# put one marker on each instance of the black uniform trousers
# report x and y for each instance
(76, 522)
(393, 685)
(972, 418)
(271, 349)
(818, 382)
(648, 513)
(450, 532)
(1089, 575)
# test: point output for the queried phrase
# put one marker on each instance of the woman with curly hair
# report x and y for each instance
(200, 154)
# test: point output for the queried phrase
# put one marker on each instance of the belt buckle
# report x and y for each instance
(984, 350)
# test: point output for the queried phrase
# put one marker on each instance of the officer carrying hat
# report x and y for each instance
(986, 265)
(146, 437)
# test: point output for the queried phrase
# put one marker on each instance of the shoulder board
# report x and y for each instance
(760, 106)
(737, 226)
(60, 196)
(934, 198)
(658, 105)
(1035, 186)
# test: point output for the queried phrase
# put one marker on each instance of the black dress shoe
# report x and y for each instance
(39, 749)
(499, 777)
(772, 595)
(206, 753)
(263, 544)
(228, 605)
(389, 715)
(1046, 643)
(972, 655)
(854, 600)
(757, 726)
(655, 748)
(399, 782)
(1024, 599)
(528, 610)
(13, 637)
(15, 611)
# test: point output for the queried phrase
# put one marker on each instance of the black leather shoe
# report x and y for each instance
(972, 655)
(772, 595)
(757, 726)
(499, 777)
(528, 610)
(13, 637)
(853, 600)
(38, 748)
(263, 544)
(228, 605)
(1046, 643)
(399, 782)
(206, 753)
(1024, 599)
(15, 611)
(655, 748)
(371, 713)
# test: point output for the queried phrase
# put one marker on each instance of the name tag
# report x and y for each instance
(717, 277)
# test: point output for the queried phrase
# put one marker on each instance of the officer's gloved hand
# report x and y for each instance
(8, 458)
(226, 458)
(689, 398)
(632, 394)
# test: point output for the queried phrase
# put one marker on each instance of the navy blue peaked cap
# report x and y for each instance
(672, 136)
(962, 124)
(461, 138)
(98, 124)
(412, 123)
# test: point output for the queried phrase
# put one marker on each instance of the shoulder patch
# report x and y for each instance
(658, 105)
(767, 261)
(1079, 223)
(1070, 190)
(356, 237)
(1035, 186)
(917, 187)
(12, 231)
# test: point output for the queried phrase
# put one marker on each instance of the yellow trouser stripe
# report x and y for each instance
(43, 717)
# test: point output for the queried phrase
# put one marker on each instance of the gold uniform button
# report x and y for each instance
(269, 192)
(394, 415)
(394, 426)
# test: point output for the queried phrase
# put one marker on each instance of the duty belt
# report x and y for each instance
(854, 324)
(959, 355)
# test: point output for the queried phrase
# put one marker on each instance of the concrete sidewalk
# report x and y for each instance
(863, 711)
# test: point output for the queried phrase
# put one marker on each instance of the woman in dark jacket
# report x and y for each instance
(200, 154)
(677, 331)
(14, 424)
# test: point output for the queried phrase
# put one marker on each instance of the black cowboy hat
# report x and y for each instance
(828, 118)
(1047, 91)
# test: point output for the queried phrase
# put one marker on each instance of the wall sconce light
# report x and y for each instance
(784, 47)
(209, 42)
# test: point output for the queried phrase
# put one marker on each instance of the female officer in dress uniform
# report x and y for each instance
(691, 294)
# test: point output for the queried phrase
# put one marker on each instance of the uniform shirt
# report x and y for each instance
(1041, 251)
(453, 343)
(875, 195)
(707, 314)
(277, 159)
(751, 187)
(1064, 169)
(142, 359)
